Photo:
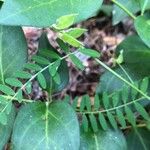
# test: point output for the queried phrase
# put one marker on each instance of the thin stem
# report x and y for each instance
(124, 9)
(126, 73)
(15, 99)
(121, 78)
(137, 126)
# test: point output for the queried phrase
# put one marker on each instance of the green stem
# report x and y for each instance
(15, 99)
(124, 9)
(126, 73)
(111, 109)
(121, 78)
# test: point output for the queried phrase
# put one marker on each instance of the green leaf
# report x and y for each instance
(70, 40)
(121, 118)
(89, 52)
(50, 52)
(112, 120)
(33, 67)
(102, 121)
(75, 103)
(54, 67)
(115, 99)
(5, 130)
(57, 78)
(13, 82)
(142, 25)
(65, 21)
(87, 103)
(144, 85)
(133, 66)
(19, 96)
(103, 140)
(96, 102)
(6, 90)
(43, 13)
(22, 75)
(76, 32)
(105, 100)
(85, 123)
(56, 122)
(138, 139)
(77, 62)
(93, 122)
(82, 103)
(41, 80)
(63, 45)
(29, 88)
(130, 116)
(142, 111)
(40, 60)
(13, 51)
(46, 51)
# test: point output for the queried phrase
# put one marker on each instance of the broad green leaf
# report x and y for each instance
(76, 32)
(13, 51)
(142, 25)
(5, 130)
(89, 52)
(103, 140)
(65, 21)
(70, 40)
(39, 126)
(77, 62)
(132, 5)
(46, 50)
(44, 13)
(138, 139)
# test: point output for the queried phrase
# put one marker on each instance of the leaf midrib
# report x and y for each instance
(1, 56)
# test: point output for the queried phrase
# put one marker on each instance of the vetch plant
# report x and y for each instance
(122, 104)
